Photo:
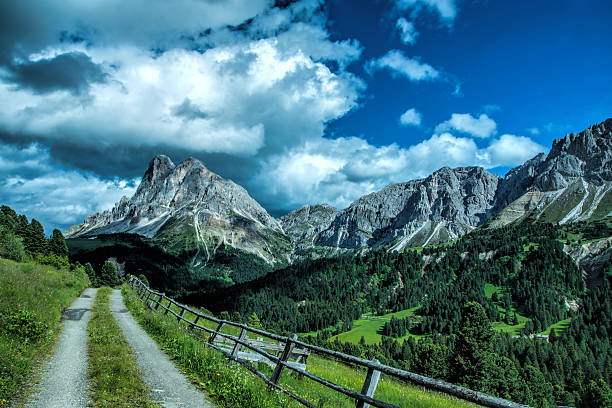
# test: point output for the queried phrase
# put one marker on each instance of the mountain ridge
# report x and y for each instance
(572, 182)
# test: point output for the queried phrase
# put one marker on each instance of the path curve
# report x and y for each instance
(171, 388)
(65, 383)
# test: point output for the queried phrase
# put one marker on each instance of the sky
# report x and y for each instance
(301, 102)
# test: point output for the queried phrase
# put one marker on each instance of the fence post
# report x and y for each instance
(212, 336)
(169, 306)
(369, 385)
(157, 302)
(195, 321)
(285, 356)
(181, 314)
(147, 301)
(238, 345)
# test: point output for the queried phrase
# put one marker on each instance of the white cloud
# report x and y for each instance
(257, 98)
(400, 65)
(411, 117)
(408, 32)
(534, 131)
(446, 9)
(483, 126)
(510, 150)
(58, 198)
(341, 170)
(246, 96)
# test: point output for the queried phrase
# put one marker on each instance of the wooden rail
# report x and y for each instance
(154, 300)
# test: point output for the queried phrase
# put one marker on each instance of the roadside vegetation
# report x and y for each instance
(32, 297)
(115, 378)
(231, 386)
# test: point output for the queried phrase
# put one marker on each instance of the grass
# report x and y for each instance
(490, 289)
(370, 327)
(227, 384)
(32, 298)
(115, 378)
(231, 386)
(559, 327)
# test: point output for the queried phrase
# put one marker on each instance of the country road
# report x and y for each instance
(64, 381)
(170, 388)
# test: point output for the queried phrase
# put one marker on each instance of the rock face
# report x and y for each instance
(572, 183)
(592, 258)
(305, 224)
(443, 206)
(191, 203)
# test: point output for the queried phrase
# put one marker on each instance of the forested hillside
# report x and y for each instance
(520, 277)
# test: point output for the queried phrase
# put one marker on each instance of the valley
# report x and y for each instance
(389, 276)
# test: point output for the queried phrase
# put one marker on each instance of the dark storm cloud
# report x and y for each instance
(73, 72)
(187, 110)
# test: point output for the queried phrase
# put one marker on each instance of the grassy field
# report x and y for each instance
(116, 380)
(370, 326)
(32, 298)
(559, 327)
(230, 385)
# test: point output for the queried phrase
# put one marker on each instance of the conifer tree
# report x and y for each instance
(473, 355)
(89, 270)
(21, 229)
(108, 274)
(57, 244)
(35, 241)
(254, 321)
(8, 218)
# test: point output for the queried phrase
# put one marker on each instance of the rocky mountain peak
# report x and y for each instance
(159, 167)
(304, 224)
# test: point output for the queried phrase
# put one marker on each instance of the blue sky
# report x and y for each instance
(540, 64)
(298, 101)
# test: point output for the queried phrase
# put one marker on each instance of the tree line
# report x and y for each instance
(526, 264)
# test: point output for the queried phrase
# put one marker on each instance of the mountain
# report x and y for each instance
(443, 206)
(204, 220)
(572, 183)
(186, 208)
(305, 224)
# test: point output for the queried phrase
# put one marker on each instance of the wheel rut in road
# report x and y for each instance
(170, 387)
(64, 382)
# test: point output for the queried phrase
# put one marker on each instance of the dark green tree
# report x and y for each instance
(596, 394)
(89, 270)
(8, 218)
(35, 241)
(57, 244)
(473, 355)
(21, 229)
(541, 390)
(108, 274)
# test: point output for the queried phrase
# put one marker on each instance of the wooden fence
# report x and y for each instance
(291, 347)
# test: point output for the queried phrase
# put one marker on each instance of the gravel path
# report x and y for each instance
(64, 381)
(171, 388)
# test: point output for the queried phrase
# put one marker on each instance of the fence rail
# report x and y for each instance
(154, 300)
